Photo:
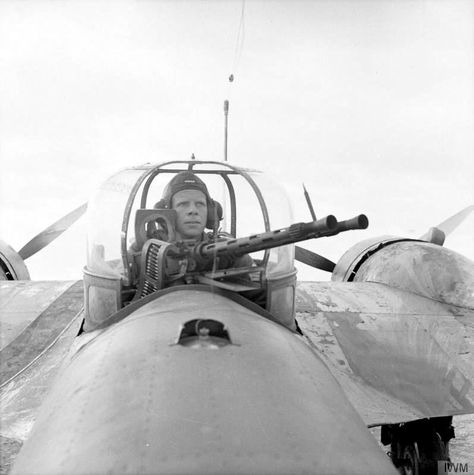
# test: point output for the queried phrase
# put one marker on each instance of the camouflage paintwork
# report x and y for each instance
(398, 356)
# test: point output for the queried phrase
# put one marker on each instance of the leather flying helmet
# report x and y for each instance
(189, 181)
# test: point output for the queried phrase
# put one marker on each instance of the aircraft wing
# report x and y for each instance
(398, 356)
(38, 323)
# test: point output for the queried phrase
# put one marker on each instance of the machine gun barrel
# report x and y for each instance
(258, 242)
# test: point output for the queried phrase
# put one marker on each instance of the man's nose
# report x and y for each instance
(192, 208)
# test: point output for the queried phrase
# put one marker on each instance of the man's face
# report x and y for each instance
(191, 208)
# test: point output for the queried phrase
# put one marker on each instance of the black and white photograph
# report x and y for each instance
(236, 237)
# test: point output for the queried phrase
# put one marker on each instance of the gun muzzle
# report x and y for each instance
(358, 222)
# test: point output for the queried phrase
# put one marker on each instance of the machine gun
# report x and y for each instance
(163, 263)
(327, 226)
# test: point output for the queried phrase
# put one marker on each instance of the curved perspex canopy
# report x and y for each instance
(252, 202)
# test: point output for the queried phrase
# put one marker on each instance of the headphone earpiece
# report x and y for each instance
(214, 214)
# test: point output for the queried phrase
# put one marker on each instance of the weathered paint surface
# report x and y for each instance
(134, 401)
(46, 319)
(424, 269)
(39, 326)
(397, 355)
(21, 302)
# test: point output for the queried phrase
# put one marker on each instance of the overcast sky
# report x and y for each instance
(370, 103)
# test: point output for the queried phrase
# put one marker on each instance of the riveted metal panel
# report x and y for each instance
(134, 401)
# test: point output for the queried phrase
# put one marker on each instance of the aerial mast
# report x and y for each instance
(239, 45)
(310, 204)
(226, 119)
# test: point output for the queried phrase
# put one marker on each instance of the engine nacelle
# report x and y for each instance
(420, 267)
(12, 266)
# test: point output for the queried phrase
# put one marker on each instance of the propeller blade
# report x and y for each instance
(48, 235)
(450, 224)
(314, 260)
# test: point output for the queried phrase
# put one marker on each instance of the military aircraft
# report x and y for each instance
(164, 360)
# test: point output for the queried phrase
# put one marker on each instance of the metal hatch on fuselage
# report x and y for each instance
(121, 210)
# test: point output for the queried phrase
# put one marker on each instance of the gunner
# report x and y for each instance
(195, 210)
